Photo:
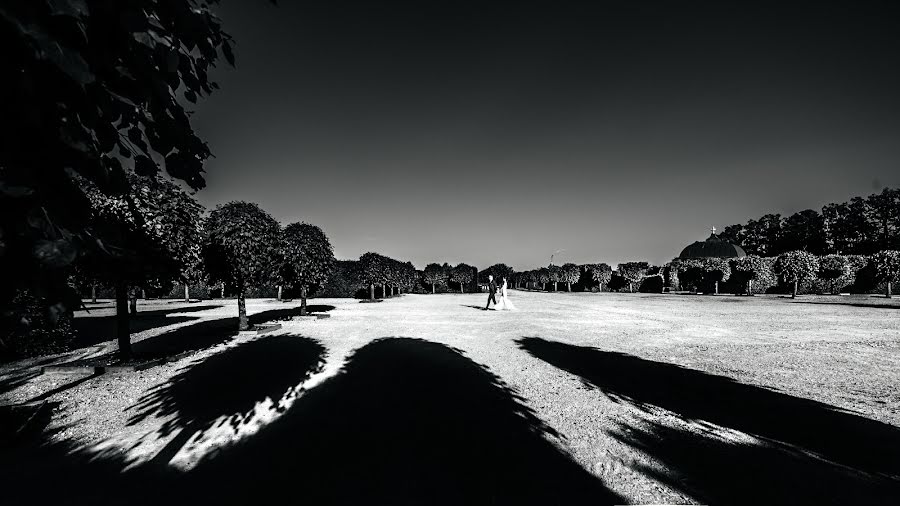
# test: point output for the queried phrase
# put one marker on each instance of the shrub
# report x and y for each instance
(754, 273)
(796, 266)
(887, 268)
(30, 328)
(834, 271)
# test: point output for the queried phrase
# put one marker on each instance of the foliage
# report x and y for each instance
(796, 266)
(30, 329)
(435, 274)
(93, 92)
(633, 272)
(153, 233)
(554, 272)
(887, 266)
(241, 245)
(570, 273)
(543, 275)
(756, 269)
(344, 280)
(306, 256)
(835, 270)
(716, 269)
(601, 272)
(462, 274)
(499, 271)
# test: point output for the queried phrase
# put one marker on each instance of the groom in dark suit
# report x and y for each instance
(492, 292)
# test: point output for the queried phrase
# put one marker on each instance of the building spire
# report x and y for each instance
(713, 230)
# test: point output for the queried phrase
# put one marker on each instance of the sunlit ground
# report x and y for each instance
(625, 397)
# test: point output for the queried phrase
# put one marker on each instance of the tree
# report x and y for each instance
(543, 276)
(884, 214)
(716, 270)
(833, 268)
(796, 266)
(804, 231)
(462, 274)
(371, 271)
(600, 273)
(499, 271)
(307, 258)
(633, 272)
(571, 273)
(763, 236)
(96, 89)
(555, 274)
(435, 275)
(753, 269)
(887, 265)
(734, 234)
(152, 235)
(241, 249)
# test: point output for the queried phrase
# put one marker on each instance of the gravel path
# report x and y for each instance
(661, 398)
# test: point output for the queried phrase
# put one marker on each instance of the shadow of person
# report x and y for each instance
(808, 452)
(405, 422)
(229, 383)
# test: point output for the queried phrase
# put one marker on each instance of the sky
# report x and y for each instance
(485, 132)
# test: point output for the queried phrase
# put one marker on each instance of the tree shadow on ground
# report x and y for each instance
(209, 333)
(809, 452)
(99, 329)
(229, 383)
(14, 381)
(875, 305)
(405, 422)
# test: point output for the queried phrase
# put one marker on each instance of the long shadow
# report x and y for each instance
(229, 383)
(209, 333)
(98, 329)
(852, 304)
(405, 422)
(15, 381)
(809, 451)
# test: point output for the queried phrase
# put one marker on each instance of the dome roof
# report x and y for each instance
(713, 246)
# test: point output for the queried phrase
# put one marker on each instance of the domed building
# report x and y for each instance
(712, 247)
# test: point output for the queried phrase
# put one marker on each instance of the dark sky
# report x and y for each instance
(501, 132)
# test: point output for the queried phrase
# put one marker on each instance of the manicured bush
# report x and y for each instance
(633, 272)
(834, 271)
(796, 266)
(754, 273)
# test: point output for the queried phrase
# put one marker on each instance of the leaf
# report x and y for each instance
(229, 54)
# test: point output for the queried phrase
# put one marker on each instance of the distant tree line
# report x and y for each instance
(860, 226)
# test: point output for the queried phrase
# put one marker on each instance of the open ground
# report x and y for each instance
(575, 397)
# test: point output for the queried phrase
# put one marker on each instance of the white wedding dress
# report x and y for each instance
(504, 304)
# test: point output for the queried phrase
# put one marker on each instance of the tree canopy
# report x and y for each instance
(94, 91)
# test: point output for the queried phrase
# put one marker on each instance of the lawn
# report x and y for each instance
(619, 398)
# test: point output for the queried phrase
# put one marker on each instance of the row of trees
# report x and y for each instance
(861, 226)
(755, 274)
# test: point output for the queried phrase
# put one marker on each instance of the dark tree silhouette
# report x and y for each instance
(306, 258)
(241, 249)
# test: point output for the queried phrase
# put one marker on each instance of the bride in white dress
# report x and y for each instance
(504, 304)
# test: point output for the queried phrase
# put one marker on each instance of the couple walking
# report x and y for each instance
(503, 303)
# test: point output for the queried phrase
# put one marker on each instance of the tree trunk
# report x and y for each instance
(794, 292)
(187, 293)
(143, 294)
(302, 300)
(279, 292)
(630, 287)
(123, 330)
(462, 288)
(243, 323)
(601, 286)
(384, 293)
(94, 293)
(555, 286)
(750, 287)
(887, 293)
(132, 304)
(223, 291)
(371, 291)
(432, 289)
